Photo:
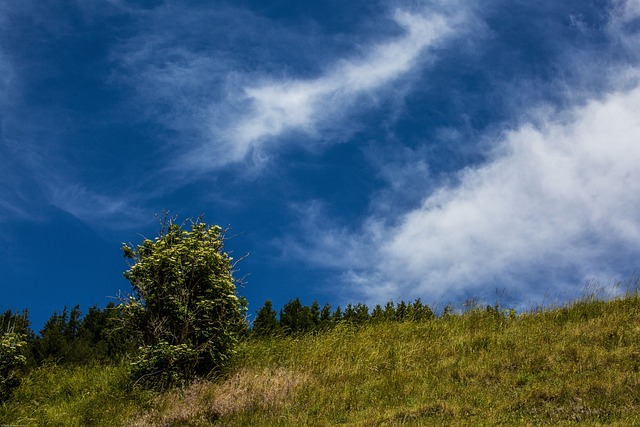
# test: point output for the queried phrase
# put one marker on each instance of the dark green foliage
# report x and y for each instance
(401, 311)
(314, 313)
(11, 362)
(484, 366)
(55, 341)
(296, 318)
(362, 314)
(417, 311)
(12, 345)
(337, 315)
(162, 365)
(389, 311)
(349, 314)
(414, 312)
(17, 322)
(104, 330)
(325, 317)
(70, 338)
(356, 315)
(184, 307)
(266, 323)
(377, 315)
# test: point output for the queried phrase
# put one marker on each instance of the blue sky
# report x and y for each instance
(360, 151)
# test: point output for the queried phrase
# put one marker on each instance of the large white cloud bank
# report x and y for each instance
(559, 200)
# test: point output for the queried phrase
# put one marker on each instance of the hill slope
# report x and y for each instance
(577, 365)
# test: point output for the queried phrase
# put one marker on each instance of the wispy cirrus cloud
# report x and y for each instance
(36, 171)
(100, 210)
(16, 191)
(276, 107)
(12, 194)
(228, 112)
(32, 180)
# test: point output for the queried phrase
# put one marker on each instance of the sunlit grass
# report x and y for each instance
(96, 395)
(573, 365)
(576, 364)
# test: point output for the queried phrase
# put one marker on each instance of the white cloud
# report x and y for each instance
(558, 196)
(630, 9)
(227, 111)
(624, 24)
(556, 202)
(554, 205)
(99, 210)
(304, 105)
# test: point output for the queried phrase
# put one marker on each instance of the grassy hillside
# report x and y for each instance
(576, 365)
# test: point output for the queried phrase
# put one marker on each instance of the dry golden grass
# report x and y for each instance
(204, 402)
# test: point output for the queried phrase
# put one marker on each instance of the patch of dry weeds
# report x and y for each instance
(204, 402)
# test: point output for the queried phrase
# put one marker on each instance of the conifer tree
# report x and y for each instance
(361, 313)
(295, 318)
(53, 342)
(337, 316)
(389, 311)
(325, 317)
(349, 314)
(18, 322)
(377, 315)
(266, 322)
(417, 311)
(314, 314)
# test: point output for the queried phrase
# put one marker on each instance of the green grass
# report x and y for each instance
(81, 396)
(574, 365)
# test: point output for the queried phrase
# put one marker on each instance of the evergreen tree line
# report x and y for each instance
(295, 318)
(73, 337)
(69, 337)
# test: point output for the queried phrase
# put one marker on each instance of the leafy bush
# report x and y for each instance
(163, 364)
(11, 361)
(184, 305)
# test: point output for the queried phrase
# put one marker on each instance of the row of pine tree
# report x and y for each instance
(295, 318)
(69, 337)
(73, 337)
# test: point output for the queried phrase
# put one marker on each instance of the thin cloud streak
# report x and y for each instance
(12, 198)
(225, 115)
(98, 210)
(302, 105)
(35, 174)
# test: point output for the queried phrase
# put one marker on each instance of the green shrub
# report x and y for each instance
(164, 364)
(184, 306)
(11, 361)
